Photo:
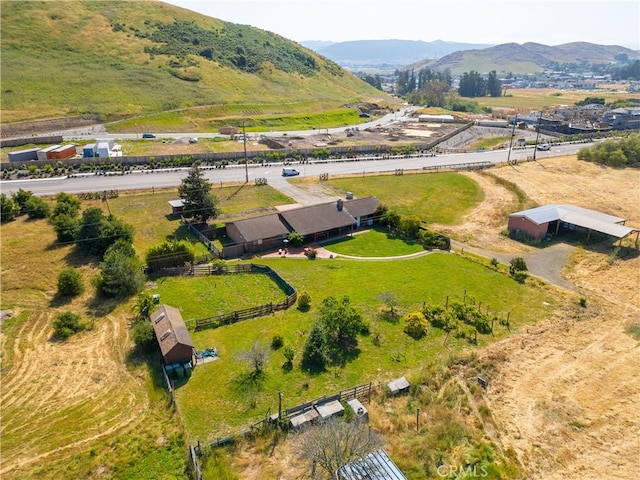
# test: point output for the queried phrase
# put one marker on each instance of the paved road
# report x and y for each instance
(100, 131)
(173, 177)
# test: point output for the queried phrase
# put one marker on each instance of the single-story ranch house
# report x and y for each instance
(314, 222)
(540, 221)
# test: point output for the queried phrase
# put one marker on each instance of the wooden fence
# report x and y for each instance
(358, 391)
(361, 392)
(208, 243)
(460, 166)
(238, 315)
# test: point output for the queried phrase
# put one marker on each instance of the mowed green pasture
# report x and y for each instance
(222, 397)
(436, 198)
(210, 296)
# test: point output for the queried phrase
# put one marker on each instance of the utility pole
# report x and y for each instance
(246, 163)
(513, 130)
(535, 147)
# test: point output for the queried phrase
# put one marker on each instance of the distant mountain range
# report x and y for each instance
(392, 53)
(464, 57)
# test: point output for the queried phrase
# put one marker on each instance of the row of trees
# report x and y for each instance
(614, 152)
(434, 89)
(473, 84)
(23, 202)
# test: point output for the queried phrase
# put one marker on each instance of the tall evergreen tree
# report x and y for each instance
(195, 190)
(494, 85)
(472, 85)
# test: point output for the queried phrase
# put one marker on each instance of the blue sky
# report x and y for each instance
(550, 22)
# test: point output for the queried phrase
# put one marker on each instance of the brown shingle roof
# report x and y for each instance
(318, 218)
(266, 226)
(170, 328)
(362, 207)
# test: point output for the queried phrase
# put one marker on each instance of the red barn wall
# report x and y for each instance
(527, 227)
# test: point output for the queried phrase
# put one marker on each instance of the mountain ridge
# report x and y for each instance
(529, 57)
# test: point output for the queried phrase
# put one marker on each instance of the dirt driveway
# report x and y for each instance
(546, 263)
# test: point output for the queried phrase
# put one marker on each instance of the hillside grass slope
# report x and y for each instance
(128, 58)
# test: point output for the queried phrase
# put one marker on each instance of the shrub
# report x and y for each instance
(518, 265)
(277, 342)
(517, 269)
(144, 336)
(494, 262)
(9, 209)
(172, 254)
(65, 226)
(295, 239)
(409, 225)
(315, 354)
(289, 352)
(70, 283)
(21, 197)
(583, 302)
(304, 301)
(415, 325)
(36, 207)
(66, 324)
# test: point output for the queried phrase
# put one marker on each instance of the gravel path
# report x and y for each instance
(546, 263)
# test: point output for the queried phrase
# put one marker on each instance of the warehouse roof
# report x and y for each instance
(582, 217)
(375, 466)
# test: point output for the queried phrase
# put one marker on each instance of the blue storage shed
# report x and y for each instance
(89, 150)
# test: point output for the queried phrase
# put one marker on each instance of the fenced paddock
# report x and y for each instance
(215, 321)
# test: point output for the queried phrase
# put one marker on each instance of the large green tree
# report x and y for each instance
(472, 85)
(97, 232)
(195, 190)
(494, 85)
(120, 271)
(342, 322)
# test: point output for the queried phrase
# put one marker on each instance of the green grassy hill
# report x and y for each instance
(129, 58)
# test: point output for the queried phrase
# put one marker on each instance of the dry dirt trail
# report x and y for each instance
(57, 397)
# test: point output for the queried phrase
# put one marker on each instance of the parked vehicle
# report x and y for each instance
(290, 172)
(148, 135)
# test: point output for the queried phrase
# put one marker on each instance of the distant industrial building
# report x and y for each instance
(43, 154)
(24, 155)
(102, 149)
(63, 152)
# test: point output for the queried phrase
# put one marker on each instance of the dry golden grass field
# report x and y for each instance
(568, 394)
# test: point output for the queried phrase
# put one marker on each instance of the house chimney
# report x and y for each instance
(339, 204)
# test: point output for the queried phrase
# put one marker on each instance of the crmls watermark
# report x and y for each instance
(471, 471)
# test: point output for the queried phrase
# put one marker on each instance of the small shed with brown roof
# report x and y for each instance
(172, 335)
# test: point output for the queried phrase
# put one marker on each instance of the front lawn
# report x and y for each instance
(375, 242)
